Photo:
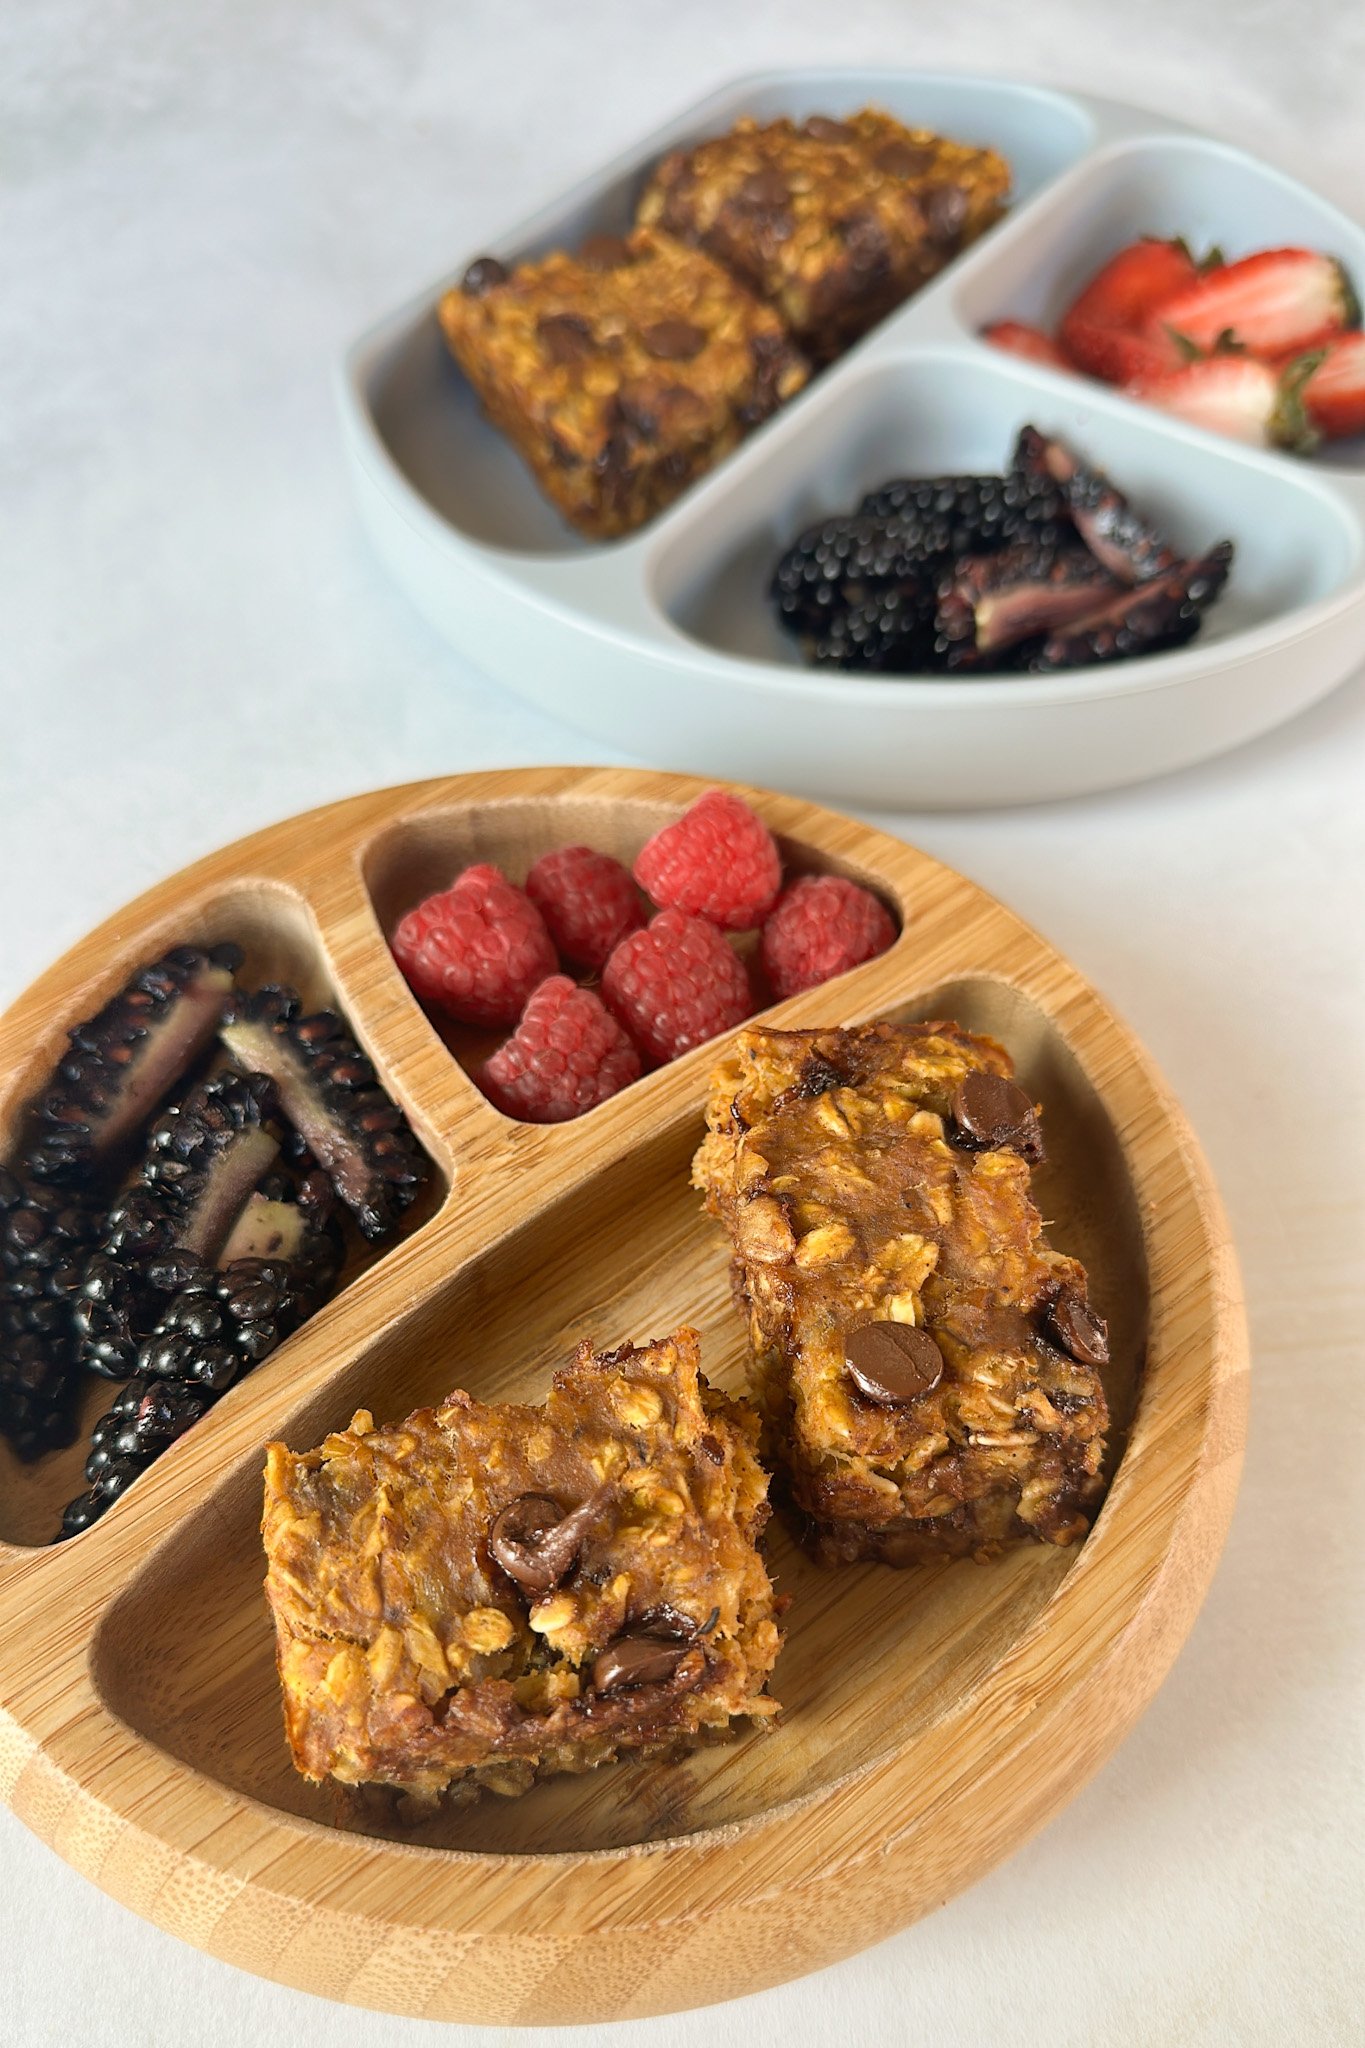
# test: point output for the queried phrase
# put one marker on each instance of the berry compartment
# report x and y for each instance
(425, 854)
(413, 412)
(1170, 186)
(185, 1658)
(280, 943)
(946, 413)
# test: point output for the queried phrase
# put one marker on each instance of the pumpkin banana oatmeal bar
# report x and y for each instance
(482, 1595)
(926, 1364)
(620, 373)
(831, 222)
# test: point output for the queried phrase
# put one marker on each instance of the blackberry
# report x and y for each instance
(331, 1095)
(978, 513)
(202, 1162)
(890, 632)
(1165, 612)
(45, 1236)
(989, 603)
(122, 1062)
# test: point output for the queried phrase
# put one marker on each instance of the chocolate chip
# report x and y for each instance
(636, 415)
(892, 1363)
(945, 209)
(1074, 1327)
(863, 235)
(988, 1111)
(565, 337)
(821, 129)
(674, 341)
(605, 252)
(711, 1447)
(640, 1659)
(902, 159)
(536, 1543)
(767, 190)
(482, 275)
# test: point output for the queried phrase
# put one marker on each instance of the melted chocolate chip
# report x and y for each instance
(674, 341)
(536, 1543)
(892, 1363)
(863, 235)
(640, 1659)
(482, 275)
(821, 129)
(767, 190)
(1074, 1327)
(945, 210)
(902, 159)
(605, 252)
(565, 337)
(988, 1112)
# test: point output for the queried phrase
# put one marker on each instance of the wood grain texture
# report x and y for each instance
(933, 1718)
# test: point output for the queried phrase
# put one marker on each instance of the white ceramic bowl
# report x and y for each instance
(664, 643)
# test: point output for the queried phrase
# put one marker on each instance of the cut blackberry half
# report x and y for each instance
(331, 1095)
(122, 1063)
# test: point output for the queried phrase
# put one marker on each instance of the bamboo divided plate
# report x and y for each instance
(934, 1718)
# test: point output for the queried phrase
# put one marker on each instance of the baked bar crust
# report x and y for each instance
(855, 1200)
(426, 1641)
(831, 222)
(620, 373)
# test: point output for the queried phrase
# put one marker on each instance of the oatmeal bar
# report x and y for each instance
(620, 373)
(482, 1595)
(831, 222)
(925, 1362)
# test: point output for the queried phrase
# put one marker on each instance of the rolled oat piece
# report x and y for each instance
(620, 373)
(480, 1596)
(831, 222)
(926, 1365)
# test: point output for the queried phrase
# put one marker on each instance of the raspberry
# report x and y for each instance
(717, 861)
(675, 984)
(476, 949)
(821, 926)
(567, 1054)
(588, 901)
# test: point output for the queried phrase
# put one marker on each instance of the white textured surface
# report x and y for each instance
(194, 640)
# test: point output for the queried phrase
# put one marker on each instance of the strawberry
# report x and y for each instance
(1018, 339)
(1117, 301)
(1274, 302)
(1238, 396)
(1334, 390)
(1118, 357)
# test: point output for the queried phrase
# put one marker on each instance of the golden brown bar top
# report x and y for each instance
(925, 1362)
(619, 373)
(832, 222)
(480, 1595)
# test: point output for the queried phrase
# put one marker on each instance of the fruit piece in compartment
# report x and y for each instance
(926, 1364)
(653, 991)
(484, 1595)
(176, 1255)
(1232, 347)
(833, 222)
(619, 373)
(965, 574)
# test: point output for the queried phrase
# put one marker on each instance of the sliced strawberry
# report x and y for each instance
(1238, 396)
(1334, 390)
(1130, 285)
(1019, 339)
(1117, 356)
(1271, 303)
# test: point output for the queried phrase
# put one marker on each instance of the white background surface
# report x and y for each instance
(194, 640)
